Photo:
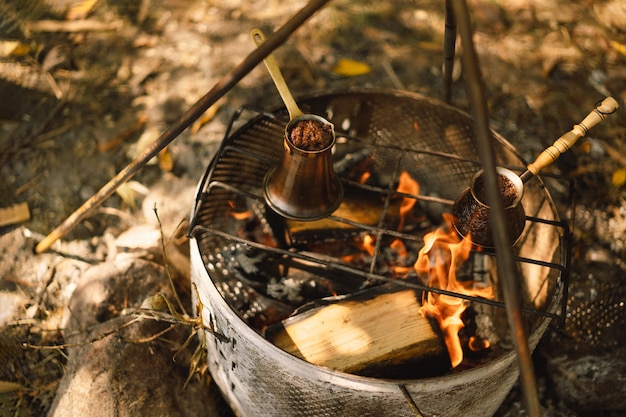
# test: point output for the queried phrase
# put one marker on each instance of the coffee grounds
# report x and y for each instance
(311, 135)
(506, 187)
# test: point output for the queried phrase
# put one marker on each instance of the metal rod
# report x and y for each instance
(366, 275)
(449, 46)
(218, 91)
(509, 273)
(407, 395)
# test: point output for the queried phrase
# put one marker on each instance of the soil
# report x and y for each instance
(86, 85)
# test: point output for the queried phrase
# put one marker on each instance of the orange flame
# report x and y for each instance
(440, 258)
(369, 244)
(242, 215)
(238, 215)
(399, 247)
(439, 261)
(475, 343)
(407, 185)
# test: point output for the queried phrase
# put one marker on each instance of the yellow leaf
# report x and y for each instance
(206, 117)
(81, 9)
(13, 48)
(619, 177)
(127, 194)
(166, 162)
(619, 47)
(147, 138)
(130, 191)
(351, 68)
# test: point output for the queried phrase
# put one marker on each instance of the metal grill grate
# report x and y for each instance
(245, 157)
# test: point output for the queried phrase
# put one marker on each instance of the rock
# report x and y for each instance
(592, 383)
(12, 305)
(116, 368)
(107, 288)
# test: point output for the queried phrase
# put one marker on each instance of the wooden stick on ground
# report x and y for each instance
(17, 213)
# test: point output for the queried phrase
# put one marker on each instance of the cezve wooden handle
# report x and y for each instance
(565, 142)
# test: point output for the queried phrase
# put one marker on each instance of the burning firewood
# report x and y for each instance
(378, 332)
(362, 206)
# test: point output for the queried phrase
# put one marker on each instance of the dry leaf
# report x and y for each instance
(129, 190)
(147, 138)
(619, 47)
(107, 143)
(127, 194)
(619, 177)
(166, 162)
(351, 68)
(13, 48)
(80, 9)
(205, 118)
(137, 238)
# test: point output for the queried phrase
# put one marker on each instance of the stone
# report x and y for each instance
(116, 366)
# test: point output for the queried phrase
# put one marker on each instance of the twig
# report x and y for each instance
(29, 184)
(153, 337)
(166, 262)
(85, 25)
(128, 218)
(615, 154)
(47, 281)
(87, 342)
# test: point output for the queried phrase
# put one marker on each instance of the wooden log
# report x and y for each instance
(377, 333)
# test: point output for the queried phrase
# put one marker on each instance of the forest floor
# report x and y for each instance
(86, 85)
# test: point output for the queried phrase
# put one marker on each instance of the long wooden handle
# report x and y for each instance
(277, 77)
(565, 142)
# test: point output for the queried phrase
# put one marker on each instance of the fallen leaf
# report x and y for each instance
(351, 68)
(140, 237)
(129, 192)
(147, 138)
(80, 9)
(13, 48)
(166, 162)
(205, 118)
(619, 177)
(619, 47)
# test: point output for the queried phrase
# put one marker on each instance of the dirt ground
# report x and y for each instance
(84, 85)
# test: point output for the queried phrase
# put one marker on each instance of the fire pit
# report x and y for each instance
(403, 159)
